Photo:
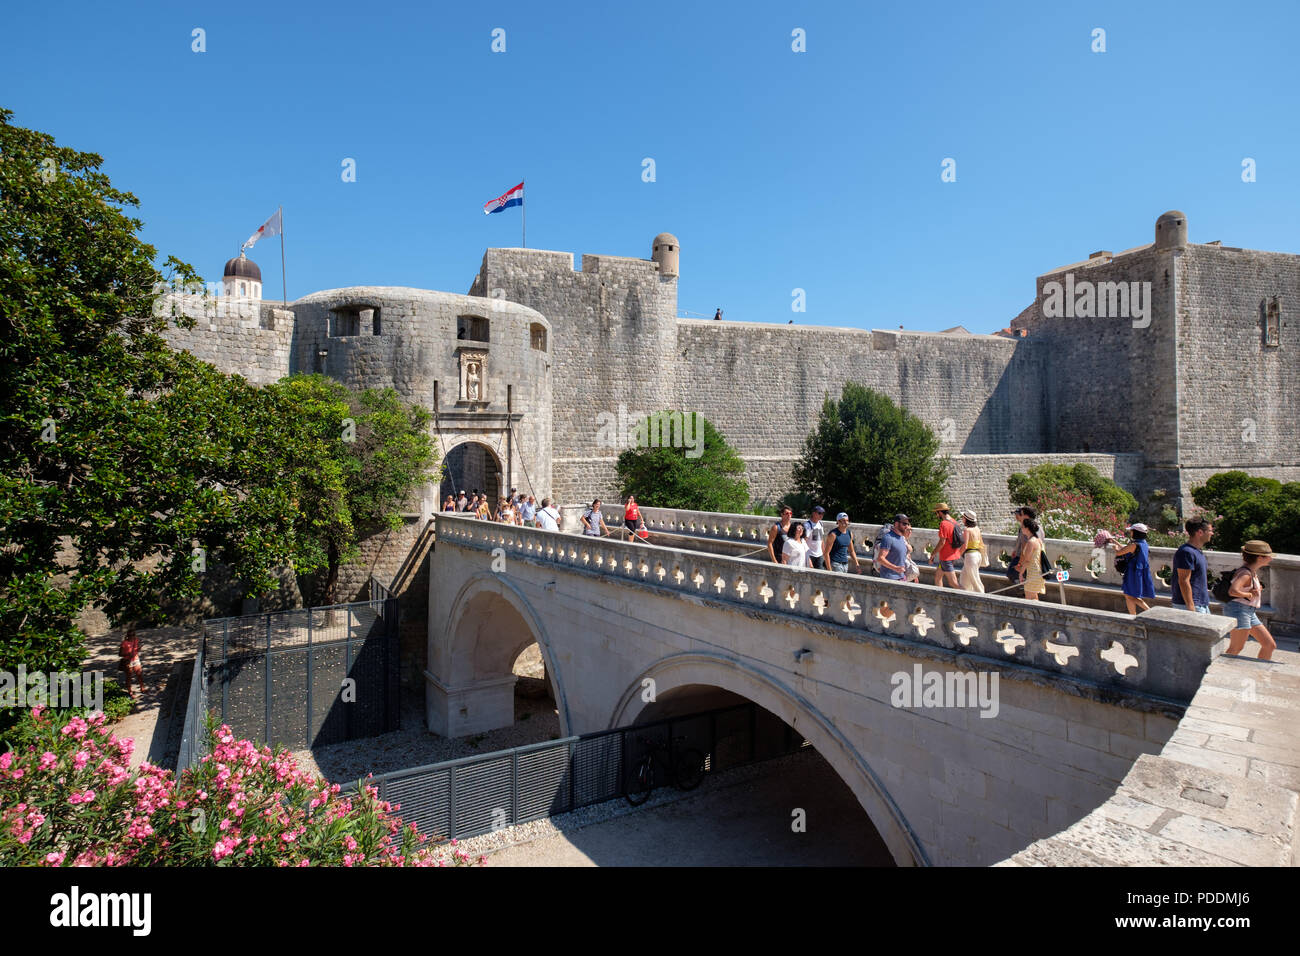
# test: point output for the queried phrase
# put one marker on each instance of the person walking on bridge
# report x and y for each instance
(1247, 592)
(1138, 586)
(975, 555)
(548, 516)
(795, 552)
(814, 534)
(839, 546)
(777, 535)
(1030, 566)
(892, 549)
(632, 520)
(1189, 584)
(593, 522)
(946, 556)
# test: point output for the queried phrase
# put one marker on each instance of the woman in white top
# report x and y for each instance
(795, 552)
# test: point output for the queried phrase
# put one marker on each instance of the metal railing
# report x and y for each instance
(462, 798)
(308, 676)
(194, 742)
(1158, 654)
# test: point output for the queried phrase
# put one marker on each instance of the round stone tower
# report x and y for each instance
(665, 251)
(242, 278)
(1171, 230)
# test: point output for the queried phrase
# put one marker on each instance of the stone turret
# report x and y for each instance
(665, 251)
(1171, 230)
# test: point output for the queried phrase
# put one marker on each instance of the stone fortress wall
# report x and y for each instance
(417, 347)
(248, 336)
(1205, 383)
(614, 335)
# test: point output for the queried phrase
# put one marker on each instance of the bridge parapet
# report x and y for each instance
(1162, 653)
(1281, 579)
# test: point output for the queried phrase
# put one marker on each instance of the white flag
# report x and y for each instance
(269, 228)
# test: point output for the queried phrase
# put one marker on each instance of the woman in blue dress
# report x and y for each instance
(1138, 582)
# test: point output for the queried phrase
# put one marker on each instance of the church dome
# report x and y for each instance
(244, 268)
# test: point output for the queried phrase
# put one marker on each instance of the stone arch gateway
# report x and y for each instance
(469, 465)
(470, 682)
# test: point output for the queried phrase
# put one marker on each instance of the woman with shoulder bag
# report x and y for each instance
(1246, 593)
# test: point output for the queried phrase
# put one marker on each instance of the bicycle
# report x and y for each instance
(685, 769)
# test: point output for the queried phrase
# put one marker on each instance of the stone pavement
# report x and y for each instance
(1224, 791)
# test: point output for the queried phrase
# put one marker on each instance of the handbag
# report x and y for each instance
(1121, 563)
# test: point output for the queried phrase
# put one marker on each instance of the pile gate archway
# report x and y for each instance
(472, 464)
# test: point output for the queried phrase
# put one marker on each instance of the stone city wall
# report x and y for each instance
(1238, 398)
(613, 335)
(248, 337)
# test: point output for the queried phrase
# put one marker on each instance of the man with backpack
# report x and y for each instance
(890, 552)
(947, 555)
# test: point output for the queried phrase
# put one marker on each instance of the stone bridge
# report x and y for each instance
(632, 632)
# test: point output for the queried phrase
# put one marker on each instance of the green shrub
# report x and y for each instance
(1026, 488)
(871, 458)
(1245, 507)
(707, 477)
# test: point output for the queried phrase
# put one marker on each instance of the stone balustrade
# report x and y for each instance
(1162, 653)
(1281, 579)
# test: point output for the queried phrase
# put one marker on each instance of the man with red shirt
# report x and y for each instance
(946, 558)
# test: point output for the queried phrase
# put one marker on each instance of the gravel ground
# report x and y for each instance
(413, 746)
(738, 817)
(161, 648)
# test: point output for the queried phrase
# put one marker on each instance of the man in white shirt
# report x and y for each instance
(548, 517)
(813, 533)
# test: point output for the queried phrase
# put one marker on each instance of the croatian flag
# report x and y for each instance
(514, 197)
(272, 227)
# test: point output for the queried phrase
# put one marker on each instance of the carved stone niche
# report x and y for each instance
(473, 376)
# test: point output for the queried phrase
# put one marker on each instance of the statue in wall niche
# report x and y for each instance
(473, 377)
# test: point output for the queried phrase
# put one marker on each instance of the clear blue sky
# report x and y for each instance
(776, 170)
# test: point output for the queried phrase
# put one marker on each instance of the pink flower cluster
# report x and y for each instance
(74, 799)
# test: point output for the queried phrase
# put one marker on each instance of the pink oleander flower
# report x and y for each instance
(55, 859)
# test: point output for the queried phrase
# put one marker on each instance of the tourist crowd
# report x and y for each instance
(957, 557)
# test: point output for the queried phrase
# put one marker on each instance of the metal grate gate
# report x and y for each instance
(474, 795)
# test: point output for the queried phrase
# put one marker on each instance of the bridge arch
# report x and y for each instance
(470, 681)
(729, 674)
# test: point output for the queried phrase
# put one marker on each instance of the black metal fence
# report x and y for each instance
(305, 677)
(473, 795)
(193, 737)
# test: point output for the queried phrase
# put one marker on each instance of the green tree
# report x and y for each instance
(1026, 489)
(699, 473)
(871, 458)
(118, 455)
(1245, 507)
(352, 460)
(128, 468)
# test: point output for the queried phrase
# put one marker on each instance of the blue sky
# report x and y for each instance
(776, 170)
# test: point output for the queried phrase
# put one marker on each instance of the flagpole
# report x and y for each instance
(523, 205)
(284, 285)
